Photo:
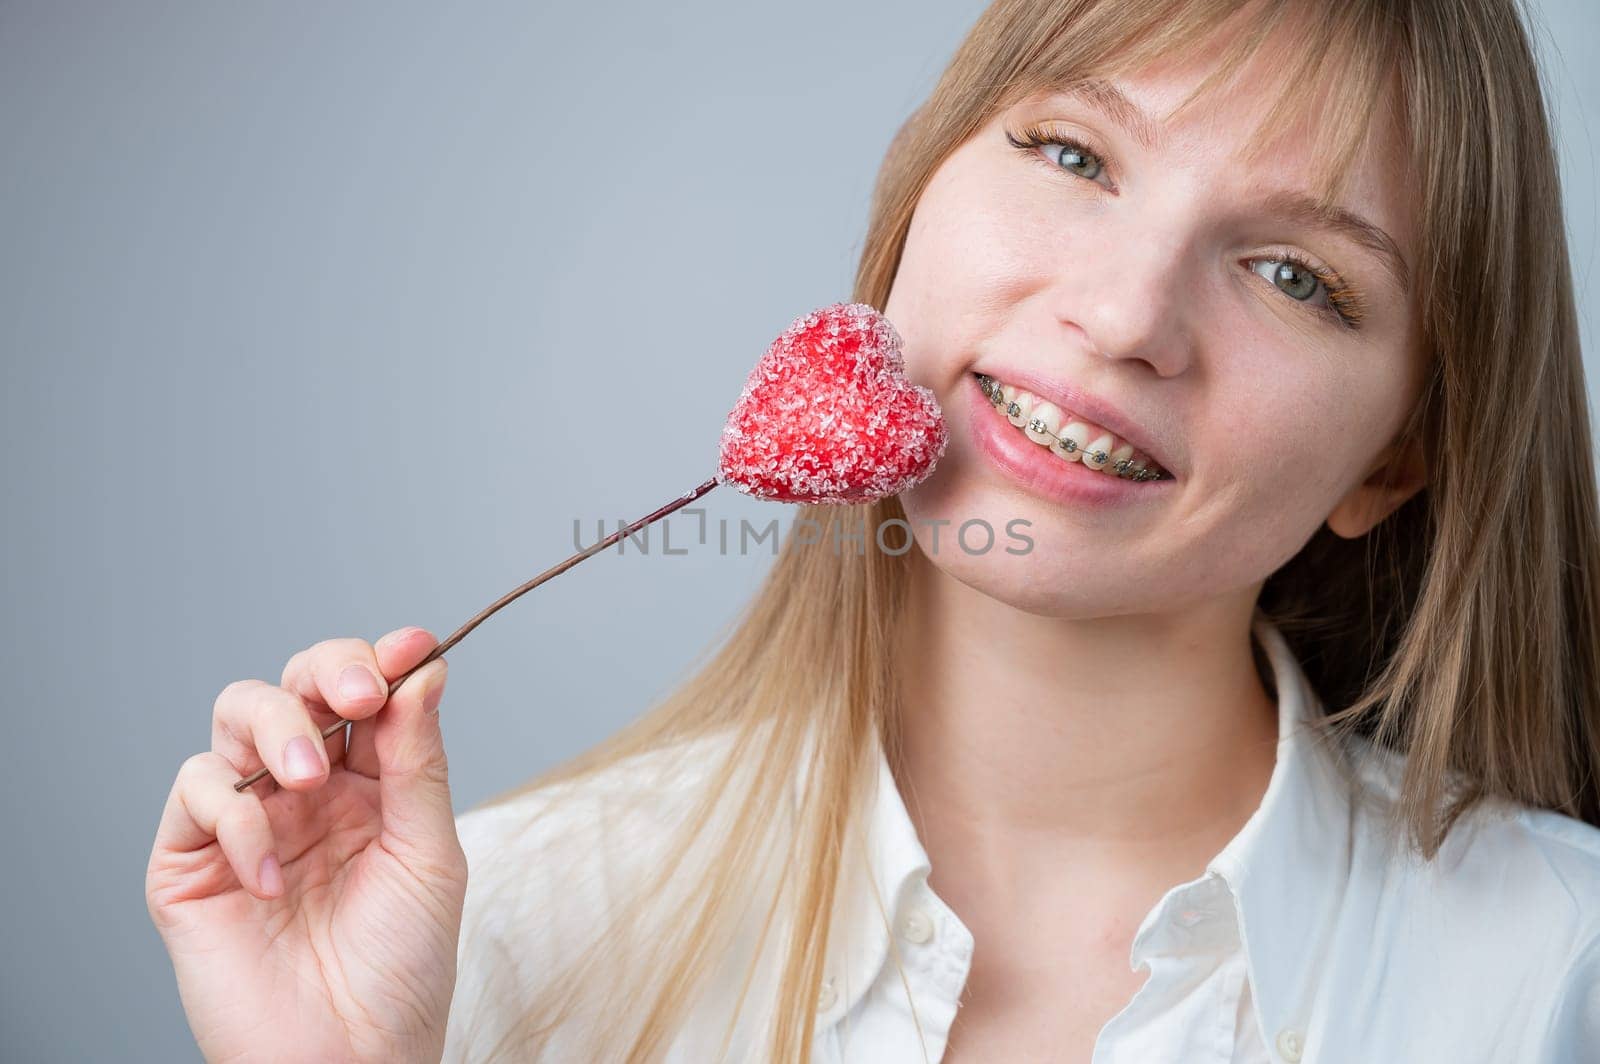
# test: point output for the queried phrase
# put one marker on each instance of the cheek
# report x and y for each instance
(1275, 466)
(965, 267)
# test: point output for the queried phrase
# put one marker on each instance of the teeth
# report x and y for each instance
(1041, 422)
(1098, 454)
(1122, 460)
(1044, 423)
(1019, 406)
(1075, 433)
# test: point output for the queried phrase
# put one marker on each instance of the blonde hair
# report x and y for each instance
(1470, 646)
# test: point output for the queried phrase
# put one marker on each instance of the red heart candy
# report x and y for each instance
(828, 416)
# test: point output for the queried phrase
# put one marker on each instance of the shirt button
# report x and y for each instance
(827, 997)
(916, 926)
(1290, 1044)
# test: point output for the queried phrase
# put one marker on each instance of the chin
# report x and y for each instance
(1020, 568)
(1035, 561)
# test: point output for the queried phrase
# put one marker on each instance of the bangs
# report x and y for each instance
(1335, 62)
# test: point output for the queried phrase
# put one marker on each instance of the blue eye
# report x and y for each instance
(1074, 157)
(1291, 277)
(1297, 278)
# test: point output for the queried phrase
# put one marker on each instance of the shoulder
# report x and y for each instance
(1568, 852)
(1564, 853)
(1514, 854)
(1512, 900)
(545, 871)
(1514, 885)
(1562, 859)
(1575, 1022)
(1498, 852)
(568, 833)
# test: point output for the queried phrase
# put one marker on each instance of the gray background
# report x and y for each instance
(321, 320)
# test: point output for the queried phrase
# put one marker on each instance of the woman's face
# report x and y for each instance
(1157, 279)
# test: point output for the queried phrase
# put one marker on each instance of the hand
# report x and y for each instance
(315, 916)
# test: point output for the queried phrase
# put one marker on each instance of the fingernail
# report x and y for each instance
(271, 875)
(300, 760)
(430, 701)
(357, 683)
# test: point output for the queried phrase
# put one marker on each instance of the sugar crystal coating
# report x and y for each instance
(828, 416)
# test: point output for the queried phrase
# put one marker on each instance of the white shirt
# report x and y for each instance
(1313, 936)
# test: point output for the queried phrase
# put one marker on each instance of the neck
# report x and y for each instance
(1139, 741)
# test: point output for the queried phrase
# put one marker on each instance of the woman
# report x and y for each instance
(1278, 741)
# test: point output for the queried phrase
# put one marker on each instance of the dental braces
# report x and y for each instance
(992, 390)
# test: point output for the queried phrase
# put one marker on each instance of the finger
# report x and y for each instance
(203, 808)
(397, 652)
(337, 677)
(413, 777)
(255, 723)
(402, 648)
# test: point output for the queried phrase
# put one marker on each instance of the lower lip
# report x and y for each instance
(1042, 473)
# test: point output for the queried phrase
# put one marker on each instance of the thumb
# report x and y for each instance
(413, 777)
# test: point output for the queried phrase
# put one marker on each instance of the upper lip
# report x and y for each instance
(1077, 401)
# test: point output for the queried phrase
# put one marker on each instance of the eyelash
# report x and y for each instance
(1344, 305)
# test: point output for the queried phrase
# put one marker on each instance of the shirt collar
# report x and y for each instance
(1285, 869)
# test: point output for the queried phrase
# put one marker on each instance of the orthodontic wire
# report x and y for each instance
(992, 389)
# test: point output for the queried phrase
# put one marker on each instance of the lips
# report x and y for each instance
(1076, 402)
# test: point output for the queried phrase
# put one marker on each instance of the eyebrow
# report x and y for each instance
(1114, 102)
(1297, 208)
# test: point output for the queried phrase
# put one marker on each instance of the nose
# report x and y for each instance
(1129, 299)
